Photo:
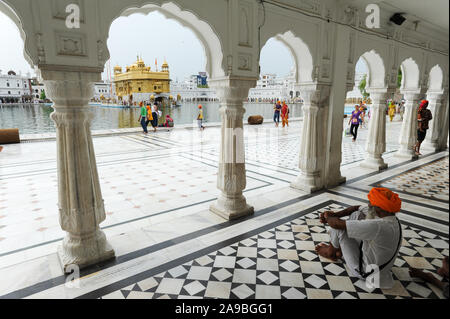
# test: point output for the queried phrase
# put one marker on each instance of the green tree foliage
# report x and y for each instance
(362, 87)
(43, 97)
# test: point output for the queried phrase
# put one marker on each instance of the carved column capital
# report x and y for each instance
(232, 90)
(378, 94)
(316, 94)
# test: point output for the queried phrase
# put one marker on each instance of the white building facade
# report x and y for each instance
(14, 88)
(104, 89)
(270, 88)
(326, 39)
(189, 91)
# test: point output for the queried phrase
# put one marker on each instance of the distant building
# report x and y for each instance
(270, 88)
(202, 79)
(139, 83)
(14, 88)
(37, 89)
(190, 92)
(103, 90)
(355, 95)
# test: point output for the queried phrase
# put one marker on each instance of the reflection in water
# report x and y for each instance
(30, 119)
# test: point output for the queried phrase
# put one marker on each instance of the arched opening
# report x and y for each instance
(17, 79)
(410, 75)
(369, 75)
(202, 30)
(436, 78)
(146, 66)
(285, 62)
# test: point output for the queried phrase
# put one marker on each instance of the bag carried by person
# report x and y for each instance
(347, 132)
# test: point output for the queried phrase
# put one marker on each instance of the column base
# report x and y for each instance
(374, 163)
(431, 146)
(406, 155)
(84, 252)
(231, 208)
(307, 183)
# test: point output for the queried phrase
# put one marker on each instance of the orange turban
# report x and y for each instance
(386, 199)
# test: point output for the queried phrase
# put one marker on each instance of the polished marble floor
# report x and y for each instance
(157, 190)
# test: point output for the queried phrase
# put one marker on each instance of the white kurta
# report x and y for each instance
(380, 237)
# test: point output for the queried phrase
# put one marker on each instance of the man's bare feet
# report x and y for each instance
(443, 271)
(417, 273)
(426, 276)
(328, 251)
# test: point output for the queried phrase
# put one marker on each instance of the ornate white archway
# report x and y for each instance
(436, 78)
(411, 74)
(207, 36)
(376, 68)
(302, 56)
(9, 12)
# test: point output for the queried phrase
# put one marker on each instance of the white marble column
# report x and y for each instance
(81, 208)
(435, 125)
(312, 147)
(231, 179)
(408, 133)
(376, 137)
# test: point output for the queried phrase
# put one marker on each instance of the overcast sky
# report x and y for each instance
(153, 37)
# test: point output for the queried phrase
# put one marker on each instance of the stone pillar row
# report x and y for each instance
(81, 208)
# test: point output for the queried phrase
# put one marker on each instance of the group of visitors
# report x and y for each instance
(150, 115)
(369, 240)
(283, 112)
(423, 117)
(394, 108)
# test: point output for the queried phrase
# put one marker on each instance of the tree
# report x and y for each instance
(43, 97)
(362, 87)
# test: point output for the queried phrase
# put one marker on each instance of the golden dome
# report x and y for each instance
(152, 97)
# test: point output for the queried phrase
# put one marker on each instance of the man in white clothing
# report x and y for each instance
(369, 240)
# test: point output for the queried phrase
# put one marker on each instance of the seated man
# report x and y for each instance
(371, 236)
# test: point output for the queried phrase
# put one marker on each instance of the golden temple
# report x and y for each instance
(139, 78)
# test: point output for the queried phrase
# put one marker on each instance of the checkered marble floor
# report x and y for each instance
(282, 152)
(281, 263)
(429, 181)
(157, 191)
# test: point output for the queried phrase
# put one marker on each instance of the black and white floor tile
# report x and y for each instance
(430, 181)
(281, 263)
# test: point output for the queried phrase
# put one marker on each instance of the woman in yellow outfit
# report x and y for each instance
(391, 110)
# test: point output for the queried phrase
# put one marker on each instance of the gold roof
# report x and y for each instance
(139, 71)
